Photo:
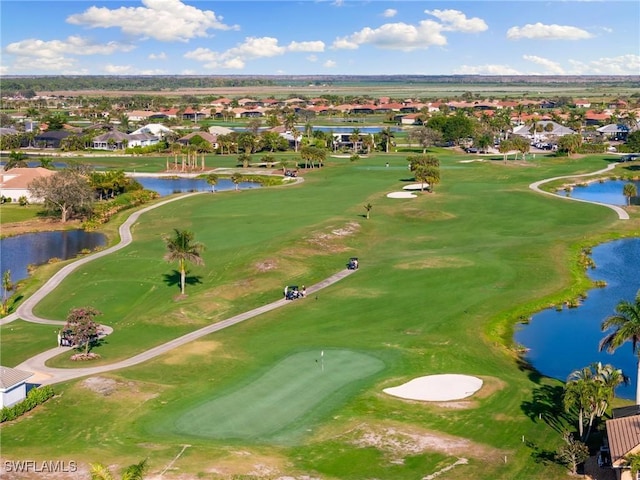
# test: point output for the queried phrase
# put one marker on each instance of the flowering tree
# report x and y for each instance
(83, 329)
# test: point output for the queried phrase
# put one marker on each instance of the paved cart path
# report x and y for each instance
(622, 213)
(46, 375)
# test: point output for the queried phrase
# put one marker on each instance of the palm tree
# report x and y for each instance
(386, 134)
(626, 323)
(182, 248)
(212, 179)
(132, 472)
(581, 391)
(368, 208)
(236, 178)
(629, 190)
(355, 138)
(7, 287)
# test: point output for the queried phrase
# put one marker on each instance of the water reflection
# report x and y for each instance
(168, 186)
(560, 342)
(609, 192)
(20, 251)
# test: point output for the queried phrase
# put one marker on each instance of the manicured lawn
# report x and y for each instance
(283, 402)
(443, 279)
(13, 212)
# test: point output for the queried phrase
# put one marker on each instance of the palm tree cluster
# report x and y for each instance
(590, 391)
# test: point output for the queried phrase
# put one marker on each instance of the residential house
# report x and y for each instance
(209, 137)
(142, 140)
(13, 386)
(623, 435)
(155, 129)
(113, 140)
(615, 131)
(51, 139)
(14, 183)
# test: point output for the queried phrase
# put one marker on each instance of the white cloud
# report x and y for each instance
(486, 70)
(158, 56)
(396, 36)
(390, 13)
(164, 20)
(57, 55)
(256, 47)
(130, 70)
(551, 67)
(547, 32)
(620, 65)
(456, 21)
(253, 47)
(329, 64)
(317, 46)
(312, 58)
(73, 45)
(408, 37)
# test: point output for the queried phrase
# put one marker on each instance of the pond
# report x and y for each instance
(20, 251)
(168, 186)
(560, 342)
(609, 192)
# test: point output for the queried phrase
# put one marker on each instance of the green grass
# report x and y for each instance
(443, 279)
(22, 340)
(12, 212)
(283, 402)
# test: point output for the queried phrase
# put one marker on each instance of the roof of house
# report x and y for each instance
(53, 135)
(613, 128)
(10, 377)
(209, 137)
(624, 436)
(21, 177)
(114, 135)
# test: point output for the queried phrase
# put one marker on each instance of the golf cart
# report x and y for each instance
(353, 263)
(292, 293)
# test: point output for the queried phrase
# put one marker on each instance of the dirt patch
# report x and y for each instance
(100, 385)
(117, 390)
(266, 265)
(435, 262)
(186, 352)
(399, 441)
(329, 242)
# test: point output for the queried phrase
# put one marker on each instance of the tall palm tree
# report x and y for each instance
(386, 134)
(182, 248)
(354, 138)
(212, 179)
(626, 324)
(629, 190)
(236, 178)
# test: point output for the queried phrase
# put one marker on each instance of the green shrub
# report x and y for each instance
(23, 201)
(35, 397)
(592, 148)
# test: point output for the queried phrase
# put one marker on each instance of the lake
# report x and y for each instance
(609, 192)
(560, 342)
(19, 251)
(168, 186)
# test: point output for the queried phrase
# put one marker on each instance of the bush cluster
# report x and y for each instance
(35, 397)
(592, 148)
(103, 211)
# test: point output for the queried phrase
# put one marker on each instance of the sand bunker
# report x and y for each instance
(437, 388)
(401, 195)
(416, 186)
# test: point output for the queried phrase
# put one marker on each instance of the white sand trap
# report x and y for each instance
(437, 388)
(416, 186)
(474, 160)
(401, 195)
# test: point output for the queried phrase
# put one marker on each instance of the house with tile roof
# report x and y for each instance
(13, 386)
(14, 183)
(623, 435)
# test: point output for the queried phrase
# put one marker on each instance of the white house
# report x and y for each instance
(13, 386)
(156, 129)
(14, 183)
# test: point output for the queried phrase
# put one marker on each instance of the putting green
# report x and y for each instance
(283, 403)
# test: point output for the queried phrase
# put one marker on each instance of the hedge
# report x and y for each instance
(35, 397)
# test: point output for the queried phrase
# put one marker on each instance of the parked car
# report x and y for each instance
(630, 157)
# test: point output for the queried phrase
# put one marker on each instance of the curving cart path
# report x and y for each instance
(622, 213)
(44, 375)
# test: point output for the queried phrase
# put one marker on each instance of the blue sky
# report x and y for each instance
(336, 37)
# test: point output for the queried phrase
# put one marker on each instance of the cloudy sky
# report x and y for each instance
(306, 37)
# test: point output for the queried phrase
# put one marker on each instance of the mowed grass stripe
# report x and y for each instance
(284, 395)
